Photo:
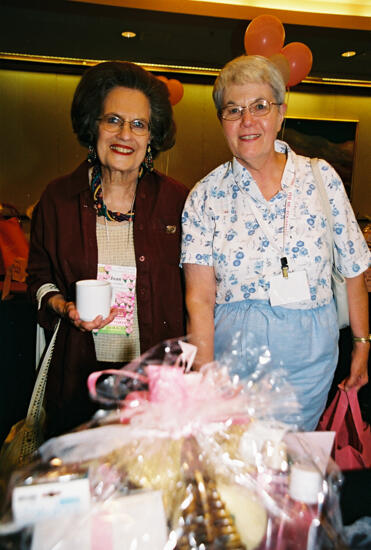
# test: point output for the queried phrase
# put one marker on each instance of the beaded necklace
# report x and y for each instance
(102, 210)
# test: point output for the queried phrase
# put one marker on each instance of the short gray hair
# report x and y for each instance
(249, 69)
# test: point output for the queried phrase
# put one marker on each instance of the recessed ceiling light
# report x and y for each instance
(349, 54)
(128, 34)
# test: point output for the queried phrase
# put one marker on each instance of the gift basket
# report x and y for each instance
(181, 460)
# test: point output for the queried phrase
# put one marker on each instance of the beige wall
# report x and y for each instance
(37, 143)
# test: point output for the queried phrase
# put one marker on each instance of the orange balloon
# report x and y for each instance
(163, 79)
(176, 91)
(265, 36)
(282, 65)
(300, 59)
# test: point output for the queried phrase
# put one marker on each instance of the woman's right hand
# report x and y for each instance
(68, 310)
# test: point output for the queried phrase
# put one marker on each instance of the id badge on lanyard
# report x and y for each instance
(290, 286)
(290, 289)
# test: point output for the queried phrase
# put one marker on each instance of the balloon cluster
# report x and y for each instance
(175, 88)
(265, 36)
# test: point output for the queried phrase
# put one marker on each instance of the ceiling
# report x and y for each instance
(191, 37)
(350, 14)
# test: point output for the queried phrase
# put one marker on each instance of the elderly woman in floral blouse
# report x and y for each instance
(256, 250)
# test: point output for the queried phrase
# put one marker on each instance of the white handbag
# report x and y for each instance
(338, 282)
(26, 435)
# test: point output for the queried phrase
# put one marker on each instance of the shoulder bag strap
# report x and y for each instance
(325, 201)
(321, 188)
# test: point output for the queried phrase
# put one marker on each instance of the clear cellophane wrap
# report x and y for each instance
(205, 456)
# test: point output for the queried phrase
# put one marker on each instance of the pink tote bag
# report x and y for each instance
(352, 447)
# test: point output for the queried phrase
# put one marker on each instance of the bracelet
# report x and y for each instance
(366, 340)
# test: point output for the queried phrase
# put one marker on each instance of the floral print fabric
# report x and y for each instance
(221, 230)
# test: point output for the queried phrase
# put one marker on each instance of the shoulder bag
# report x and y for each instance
(26, 436)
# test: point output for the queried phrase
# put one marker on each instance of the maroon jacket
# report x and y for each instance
(63, 250)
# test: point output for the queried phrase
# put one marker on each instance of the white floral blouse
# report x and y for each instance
(220, 230)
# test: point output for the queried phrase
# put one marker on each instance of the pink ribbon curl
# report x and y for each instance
(178, 402)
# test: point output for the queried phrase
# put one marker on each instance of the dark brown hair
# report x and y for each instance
(97, 82)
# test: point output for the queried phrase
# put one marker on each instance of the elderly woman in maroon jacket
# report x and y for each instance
(114, 212)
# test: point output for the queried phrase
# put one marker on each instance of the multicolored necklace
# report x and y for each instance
(102, 210)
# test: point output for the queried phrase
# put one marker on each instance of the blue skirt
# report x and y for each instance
(303, 342)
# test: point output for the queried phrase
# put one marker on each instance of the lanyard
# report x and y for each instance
(289, 207)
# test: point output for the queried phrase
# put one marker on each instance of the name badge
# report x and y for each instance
(288, 290)
(123, 282)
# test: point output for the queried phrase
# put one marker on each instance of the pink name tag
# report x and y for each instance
(123, 282)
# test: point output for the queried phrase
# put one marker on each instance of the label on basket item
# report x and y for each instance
(121, 523)
(31, 503)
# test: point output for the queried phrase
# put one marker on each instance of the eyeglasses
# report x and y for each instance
(260, 107)
(114, 123)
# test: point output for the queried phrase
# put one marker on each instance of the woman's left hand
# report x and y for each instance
(358, 369)
(358, 315)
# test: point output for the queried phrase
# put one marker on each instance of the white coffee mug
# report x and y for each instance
(93, 298)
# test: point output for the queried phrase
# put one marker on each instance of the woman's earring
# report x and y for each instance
(148, 159)
(92, 155)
